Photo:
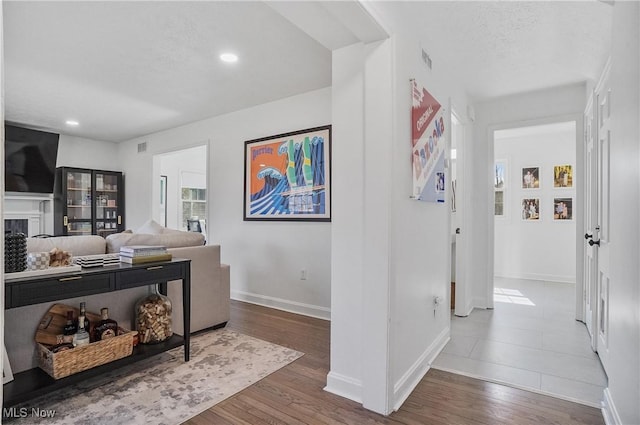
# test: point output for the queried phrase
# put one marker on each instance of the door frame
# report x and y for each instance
(156, 173)
(578, 118)
(463, 298)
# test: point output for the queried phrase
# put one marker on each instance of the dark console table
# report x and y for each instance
(35, 382)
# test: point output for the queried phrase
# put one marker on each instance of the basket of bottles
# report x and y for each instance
(68, 342)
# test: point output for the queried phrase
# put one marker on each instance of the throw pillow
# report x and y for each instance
(151, 227)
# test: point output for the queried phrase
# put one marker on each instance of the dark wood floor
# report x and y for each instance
(294, 394)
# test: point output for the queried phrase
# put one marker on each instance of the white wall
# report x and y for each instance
(541, 107)
(543, 249)
(399, 257)
(623, 391)
(172, 165)
(265, 257)
(87, 153)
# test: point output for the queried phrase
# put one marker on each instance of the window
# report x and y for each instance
(194, 204)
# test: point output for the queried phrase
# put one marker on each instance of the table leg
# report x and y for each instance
(186, 308)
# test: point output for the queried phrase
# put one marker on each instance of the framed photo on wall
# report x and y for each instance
(499, 188)
(500, 175)
(563, 208)
(531, 209)
(531, 178)
(287, 177)
(562, 176)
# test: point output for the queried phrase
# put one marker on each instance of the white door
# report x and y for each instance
(601, 231)
(590, 213)
(462, 300)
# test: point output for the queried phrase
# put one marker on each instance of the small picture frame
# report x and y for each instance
(531, 178)
(563, 176)
(439, 182)
(500, 175)
(563, 208)
(531, 209)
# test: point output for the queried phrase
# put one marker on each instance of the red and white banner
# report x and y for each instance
(428, 145)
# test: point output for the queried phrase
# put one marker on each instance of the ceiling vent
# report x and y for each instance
(142, 147)
(427, 59)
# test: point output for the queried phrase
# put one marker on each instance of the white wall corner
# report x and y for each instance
(479, 302)
(344, 386)
(408, 382)
(609, 412)
(310, 310)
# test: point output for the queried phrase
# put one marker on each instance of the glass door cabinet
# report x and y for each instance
(88, 202)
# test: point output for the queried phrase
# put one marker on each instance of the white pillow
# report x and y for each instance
(150, 228)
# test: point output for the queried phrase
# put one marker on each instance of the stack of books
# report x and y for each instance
(136, 254)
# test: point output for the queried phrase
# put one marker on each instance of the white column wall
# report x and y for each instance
(347, 226)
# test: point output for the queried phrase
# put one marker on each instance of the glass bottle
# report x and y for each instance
(82, 336)
(153, 318)
(105, 328)
(83, 312)
(70, 328)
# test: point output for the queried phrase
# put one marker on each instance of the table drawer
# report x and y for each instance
(27, 293)
(157, 273)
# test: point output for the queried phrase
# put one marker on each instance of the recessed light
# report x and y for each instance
(262, 165)
(229, 57)
(72, 123)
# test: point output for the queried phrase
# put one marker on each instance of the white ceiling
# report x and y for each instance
(497, 48)
(126, 69)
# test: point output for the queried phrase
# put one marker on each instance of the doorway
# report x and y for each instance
(530, 338)
(180, 198)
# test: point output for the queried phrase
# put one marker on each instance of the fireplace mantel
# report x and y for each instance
(35, 207)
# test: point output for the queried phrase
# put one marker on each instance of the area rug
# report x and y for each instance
(164, 390)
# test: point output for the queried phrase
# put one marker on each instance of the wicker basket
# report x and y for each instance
(78, 359)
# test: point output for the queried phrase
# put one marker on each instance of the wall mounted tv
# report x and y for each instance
(30, 160)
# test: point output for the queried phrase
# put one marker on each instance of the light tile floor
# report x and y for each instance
(530, 340)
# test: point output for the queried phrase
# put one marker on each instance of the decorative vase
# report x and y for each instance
(153, 318)
(15, 252)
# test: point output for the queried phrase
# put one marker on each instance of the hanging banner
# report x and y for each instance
(428, 146)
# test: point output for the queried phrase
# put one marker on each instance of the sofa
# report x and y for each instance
(210, 280)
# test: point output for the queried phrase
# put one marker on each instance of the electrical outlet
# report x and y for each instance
(303, 274)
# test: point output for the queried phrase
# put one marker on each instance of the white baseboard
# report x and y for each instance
(405, 385)
(344, 386)
(469, 309)
(537, 276)
(609, 412)
(282, 304)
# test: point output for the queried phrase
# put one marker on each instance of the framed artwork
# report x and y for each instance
(531, 209)
(500, 175)
(563, 208)
(531, 178)
(562, 176)
(287, 177)
(499, 203)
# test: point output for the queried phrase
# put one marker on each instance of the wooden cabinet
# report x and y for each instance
(88, 202)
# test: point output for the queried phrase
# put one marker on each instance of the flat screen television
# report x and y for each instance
(30, 160)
